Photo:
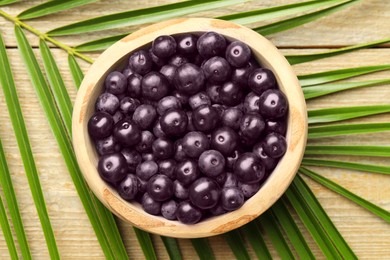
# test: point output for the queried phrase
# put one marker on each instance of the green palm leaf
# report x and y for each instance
(349, 195)
(146, 244)
(172, 247)
(51, 7)
(16, 116)
(100, 44)
(13, 207)
(380, 151)
(202, 248)
(7, 233)
(141, 16)
(329, 115)
(75, 70)
(346, 129)
(8, 2)
(252, 233)
(334, 75)
(237, 244)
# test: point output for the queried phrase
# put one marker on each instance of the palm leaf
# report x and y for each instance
(349, 195)
(300, 20)
(347, 165)
(8, 2)
(329, 115)
(326, 89)
(51, 7)
(7, 233)
(334, 75)
(101, 220)
(135, 17)
(13, 207)
(146, 244)
(296, 59)
(100, 44)
(255, 238)
(202, 248)
(346, 129)
(380, 151)
(19, 126)
(237, 244)
(75, 70)
(172, 247)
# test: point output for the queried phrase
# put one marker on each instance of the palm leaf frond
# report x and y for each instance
(237, 244)
(172, 247)
(346, 129)
(255, 238)
(75, 70)
(7, 233)
(359, 150)
(203, 249)
(145, 241)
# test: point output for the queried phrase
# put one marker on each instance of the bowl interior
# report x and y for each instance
(116, 56)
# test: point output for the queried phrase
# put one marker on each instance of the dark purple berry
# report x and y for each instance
(248, 168)
(157, 131)
(112, 167)
(189, 79)
(230, 94)
(252, 126)
(205, 118)
(217, 210)
(140, 62)
(276, 125)
(145, 145)
(167, 103)
(155, 86)
(224, 140)
(216, 69)
(232, 198)
(134, 82)
(174, 122)
(187, 213)
(116, 83)
(211, 163)
(159, 62)
(168, 209)
(128, 187)
(211, 44)
(180, 191)
(268, 162)
(261, 79)
(195, 143)
(100, 125)
(150, 205)
(230, 181)
(177, 60)
(274, 145)
(238, 54)
(107, 145)
(249, 189)
(164, 46)
(160, 187)
(146, 170)
(169, 71)
(127, 132)
(179, 154)
(187, 172)
(251, 103)
(183, 98)
(167, 167)
(198, 100)
(148, 157)
(231, 117)
(107, 102)
(273, 104)
(232, 158)
(133, 158)
(204, 193)
(127, 72)
(163, 148)
(241, 75)
(118, 116)
(144, 116)
(213, 91)
(128, 105)
(186, 44)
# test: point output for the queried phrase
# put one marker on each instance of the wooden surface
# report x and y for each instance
(368, 235)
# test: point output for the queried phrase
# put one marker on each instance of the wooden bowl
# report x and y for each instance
(117, 55)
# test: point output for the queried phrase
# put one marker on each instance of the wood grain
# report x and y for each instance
(368, 235)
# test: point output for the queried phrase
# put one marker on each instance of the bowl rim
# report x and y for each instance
(277, 183)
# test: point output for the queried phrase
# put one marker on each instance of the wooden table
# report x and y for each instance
(368, 235)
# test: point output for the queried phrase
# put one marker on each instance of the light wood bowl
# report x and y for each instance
(116, 56)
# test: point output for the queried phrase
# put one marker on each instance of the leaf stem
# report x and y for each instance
(45, 37)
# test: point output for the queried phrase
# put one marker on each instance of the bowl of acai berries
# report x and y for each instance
(190, 127)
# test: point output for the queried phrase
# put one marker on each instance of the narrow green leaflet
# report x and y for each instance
(252, 233)
(75, 70)
(347, 165)
(328, 115)
(146, 244)
(296, 59)
(293, 197)
(100, 44)
(349, 195)
(258, 15)
(359, 150)
(10, 197)
(7, 2)
(7, 233)
(300, 20)
(325, 89)
(268, 223)
(51, 7)
(286, 221)
(319, 213)
(19, 126)
(203, 249)
(346, 129)
(334, 75)
(57, 85)
(146, 15)
(237, 244)
(172, 247)
(99, 216)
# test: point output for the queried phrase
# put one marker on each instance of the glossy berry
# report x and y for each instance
(232, 158)
(128, 187)
(261, 79)
(148, 156)
(238, 53)
(273, 104)
(133, 158)
(212, 90)
(251, 103)
(100, 125)
(276, 125)
(144, 116)
(163, 148)
(127, 72)
(252, 126)
(142, 185)
(204, 193)
(167, 103)
(211, 163)
(174, 122)
(189, 78)
(177, 60)
(248, 168)
(241, 75)
(169, 72)
(205, 118)
(140, 62)
(116, 83)
(224, 140)
(160, 187)
(232, 198)
(167, 167)
(164, 46)
(268, 162)
(157, 131)
(211, 44)
(134, 85)
(187, 172)
(221, 178)
(112, 167)
(180, 191)
(216, 69)
(275, 145)
(107, 145)
(107, 102)
(231, 117)
(127, 132)
(155, 86)
(188, 213)
(145, 144)
(198, 100)
(217, 210)
(230, 94)
(195, 143)
(186, 44)
(230, 181)
(248, 190)
(128, 105)
(150, 205)
(190, 126)
(179, 154)
(146, 170)
(118, 116)
(168, 209)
